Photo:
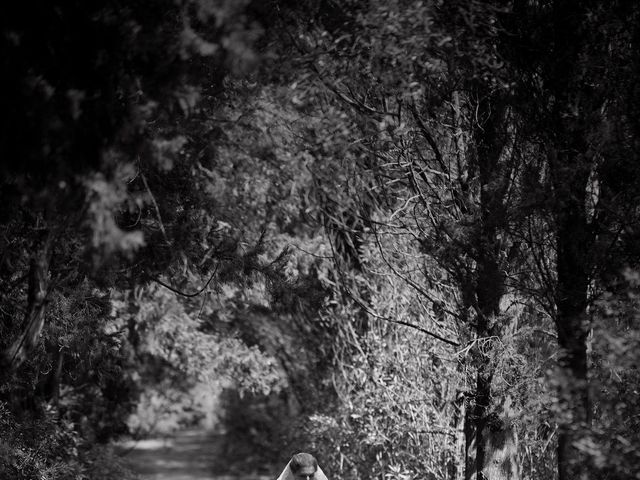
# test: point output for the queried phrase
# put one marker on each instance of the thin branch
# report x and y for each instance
(400, 322)
(315, 255)
(184, 294)
(404, 278)
(155, 205)
(204, 301)
(434, 432)
(428, 137)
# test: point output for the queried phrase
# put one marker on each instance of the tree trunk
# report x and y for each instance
(574, 242)
(480, 412)
(459, 423)
(502, 443)
(469, 445)
(494, 440)
(570, 169)
(16, 353)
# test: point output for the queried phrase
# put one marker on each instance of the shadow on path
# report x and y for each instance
(187, 455)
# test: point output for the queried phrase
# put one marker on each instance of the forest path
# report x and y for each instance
(186, 455)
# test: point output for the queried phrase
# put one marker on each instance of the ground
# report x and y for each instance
(187, 455)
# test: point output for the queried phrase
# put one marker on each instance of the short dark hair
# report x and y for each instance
(304, 463)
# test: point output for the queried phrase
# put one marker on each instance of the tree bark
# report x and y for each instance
(570, 169)
(495, 455)
(574, 242)
(18, 351)
(502, 442)
(459, 422)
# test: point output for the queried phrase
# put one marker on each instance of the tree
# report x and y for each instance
(102, 190)
(461, 202)
(574, 82)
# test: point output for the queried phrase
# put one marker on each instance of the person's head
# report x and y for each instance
(303, 466)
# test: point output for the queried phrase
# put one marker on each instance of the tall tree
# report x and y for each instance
(452, 184)
(569, 81)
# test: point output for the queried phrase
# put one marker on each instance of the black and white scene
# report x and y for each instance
(320, 240)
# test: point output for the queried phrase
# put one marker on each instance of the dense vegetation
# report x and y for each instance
(402, 234)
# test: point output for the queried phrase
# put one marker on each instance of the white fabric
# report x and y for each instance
(287, 474)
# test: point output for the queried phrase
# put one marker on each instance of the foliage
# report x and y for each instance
(93, 162)
(615, 382)
(365, 229)
(177, 365)
(49, 448)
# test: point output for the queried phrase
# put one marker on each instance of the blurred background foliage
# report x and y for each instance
(401, 235)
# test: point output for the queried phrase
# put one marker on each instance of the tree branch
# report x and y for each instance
(400, 322)
(155, 205)
(184, 294)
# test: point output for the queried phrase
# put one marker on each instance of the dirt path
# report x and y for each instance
(188, 455)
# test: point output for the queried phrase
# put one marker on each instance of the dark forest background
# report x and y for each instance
(402, 234)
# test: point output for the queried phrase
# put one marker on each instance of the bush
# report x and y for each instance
(40, 446)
